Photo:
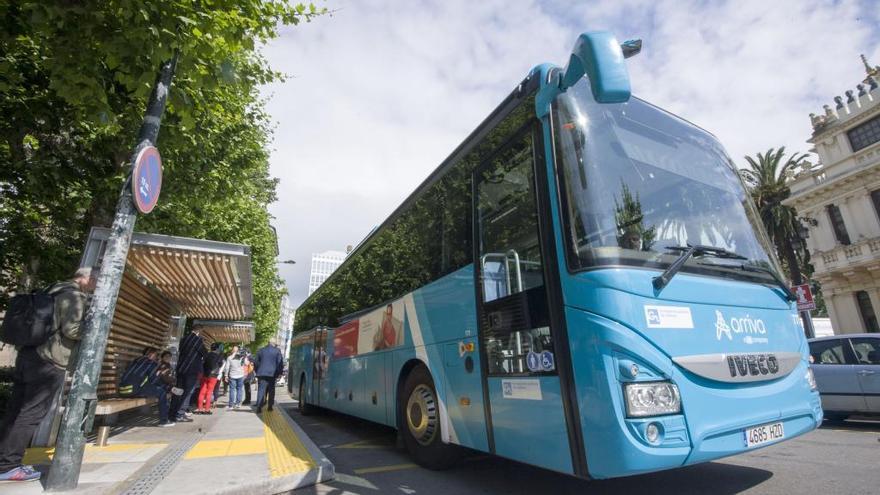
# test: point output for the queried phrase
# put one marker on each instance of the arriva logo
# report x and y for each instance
(745, 325)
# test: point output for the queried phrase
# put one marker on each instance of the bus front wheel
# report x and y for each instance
(301, 406)
(420, 422)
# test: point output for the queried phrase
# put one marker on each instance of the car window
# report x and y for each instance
(867, 350)
(827, 352)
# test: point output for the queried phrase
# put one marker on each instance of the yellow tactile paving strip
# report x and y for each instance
(287, 454)
(111, 453)
(223, 448)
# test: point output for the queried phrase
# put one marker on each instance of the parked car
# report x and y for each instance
(847, 371)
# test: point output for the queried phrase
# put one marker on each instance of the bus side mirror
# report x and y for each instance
(600, 57)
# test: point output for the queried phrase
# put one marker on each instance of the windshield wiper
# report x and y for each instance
(714, 251)
(689, 250)
(779, 281)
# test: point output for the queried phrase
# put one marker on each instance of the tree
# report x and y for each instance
(74, 79)
(767, 178)
(631, 230)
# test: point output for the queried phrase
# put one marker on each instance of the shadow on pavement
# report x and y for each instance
(854, 423)
(338, 435)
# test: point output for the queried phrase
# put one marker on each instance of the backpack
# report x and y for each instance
(30, 319)
(138, 373)
(213, 363)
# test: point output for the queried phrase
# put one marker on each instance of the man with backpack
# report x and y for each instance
(39, 368)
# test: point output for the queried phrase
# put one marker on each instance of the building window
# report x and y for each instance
(864, 135)
(837, 224)
(867, 312)
(875, 198)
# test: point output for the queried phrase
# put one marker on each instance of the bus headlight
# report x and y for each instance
(811, 379)
(651, 399)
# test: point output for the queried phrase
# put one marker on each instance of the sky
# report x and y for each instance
(378, 93)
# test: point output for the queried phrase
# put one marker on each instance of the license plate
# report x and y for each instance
(759, 435)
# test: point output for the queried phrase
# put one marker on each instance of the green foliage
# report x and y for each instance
(430, 238)
(631, 230)
(767, 179)
(74, 80)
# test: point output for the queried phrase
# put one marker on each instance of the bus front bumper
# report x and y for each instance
(713, 418)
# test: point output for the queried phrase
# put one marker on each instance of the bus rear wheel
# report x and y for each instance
(420, 423)
(301, 405)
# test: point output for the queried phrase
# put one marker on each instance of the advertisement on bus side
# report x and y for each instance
(379, 329)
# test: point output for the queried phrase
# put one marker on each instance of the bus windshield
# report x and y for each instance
(638, 181)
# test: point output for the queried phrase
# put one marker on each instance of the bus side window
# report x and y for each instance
(510, 255)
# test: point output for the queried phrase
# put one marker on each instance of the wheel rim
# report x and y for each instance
(421, 414)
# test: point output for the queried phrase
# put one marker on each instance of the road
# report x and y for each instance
(836, 459)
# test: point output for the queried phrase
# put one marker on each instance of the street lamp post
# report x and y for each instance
(798, 241)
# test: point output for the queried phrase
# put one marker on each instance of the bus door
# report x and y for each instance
(525, 417)
(319, 364)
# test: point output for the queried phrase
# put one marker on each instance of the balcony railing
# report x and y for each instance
(842, 256)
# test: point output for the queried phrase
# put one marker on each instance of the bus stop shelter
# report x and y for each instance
(225, 331)
(167, 280)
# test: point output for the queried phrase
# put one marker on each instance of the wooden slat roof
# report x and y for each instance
(225, 331)
(204, 279)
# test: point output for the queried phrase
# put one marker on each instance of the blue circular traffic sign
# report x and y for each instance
(146, 179)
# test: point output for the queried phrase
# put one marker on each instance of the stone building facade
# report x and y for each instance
(838, 200)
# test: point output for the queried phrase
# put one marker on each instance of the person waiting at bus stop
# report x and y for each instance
(213, 368)
(39, 373)
(249, 377)
(235, 373)
(268, 366)
(190, 362)
(142, 379)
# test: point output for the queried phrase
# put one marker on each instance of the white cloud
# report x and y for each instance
(382, 92)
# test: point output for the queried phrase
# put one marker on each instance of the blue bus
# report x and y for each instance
(583, 285)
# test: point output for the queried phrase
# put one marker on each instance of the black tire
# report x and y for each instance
(419, 413)
(301, 405)
(290, 381)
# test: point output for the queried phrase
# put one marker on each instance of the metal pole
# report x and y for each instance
(82, 399)
(809, 330)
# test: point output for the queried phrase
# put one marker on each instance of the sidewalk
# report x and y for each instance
(229, 452)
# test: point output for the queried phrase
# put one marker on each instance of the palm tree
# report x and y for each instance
(767, 178)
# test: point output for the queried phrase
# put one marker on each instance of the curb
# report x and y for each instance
(322, 472)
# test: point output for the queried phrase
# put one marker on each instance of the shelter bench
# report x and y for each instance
(107, 412)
